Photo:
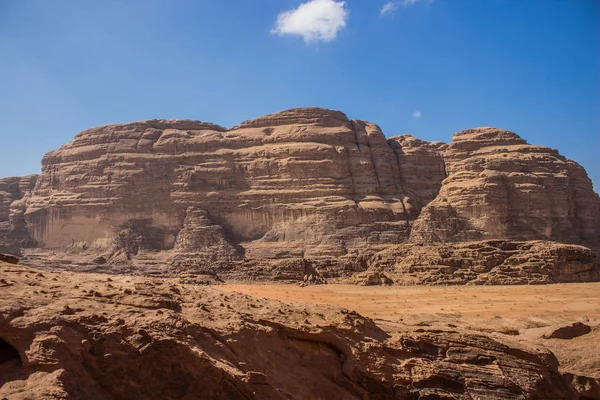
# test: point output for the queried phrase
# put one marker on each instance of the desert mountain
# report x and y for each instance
(303, 184)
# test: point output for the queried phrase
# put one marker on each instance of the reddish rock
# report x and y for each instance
(148, 338)
(574, 330)
(587, 387)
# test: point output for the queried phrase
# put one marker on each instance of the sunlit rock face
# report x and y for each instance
(498, 186)
(305, 182)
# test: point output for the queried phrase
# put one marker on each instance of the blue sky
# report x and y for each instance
(429, 68)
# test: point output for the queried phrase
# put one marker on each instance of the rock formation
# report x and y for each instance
(13, 196)
(7, 258)
(204, 239)
(576, 329)
(89, 336)
(300, 184)
(499, 186)
(498, 262)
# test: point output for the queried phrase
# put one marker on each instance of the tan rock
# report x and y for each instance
(500, 262)
(298, 177)
(13, 196)
(203, 238)
(304, 183)
(500, 187)
(370, 278)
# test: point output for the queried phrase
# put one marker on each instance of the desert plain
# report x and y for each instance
(525, 312)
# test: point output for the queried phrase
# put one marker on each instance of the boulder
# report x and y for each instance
(574, 330)
(9, 259)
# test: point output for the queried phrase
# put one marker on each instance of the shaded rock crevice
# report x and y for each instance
(11, 365)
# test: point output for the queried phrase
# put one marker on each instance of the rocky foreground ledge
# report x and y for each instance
(88, 336)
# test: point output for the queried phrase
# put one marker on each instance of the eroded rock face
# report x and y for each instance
(496, 262)
(74, 336)
(7, 258)
(498, 187)
(299, 177)
(299, 184)
(204, 239)
(13, 197)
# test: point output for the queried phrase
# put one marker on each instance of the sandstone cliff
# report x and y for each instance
(499, 186)
(13, 199)
(301, 184)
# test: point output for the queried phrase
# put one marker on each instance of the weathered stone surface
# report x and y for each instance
(574, 330)
(500, 262)
(370, 278)
(500, 187)
(9, 259)
(587, 387)
(13, 197)
(308, 177)
(422, 169)
(300, 184)
(203, 238)
(76, 336)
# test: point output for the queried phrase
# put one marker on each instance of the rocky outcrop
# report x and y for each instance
(76, 336)
(14, 193)
(588, 388)
(309, 178)
(500, 187)
(370, 278)
(499, 262)
(422, 169)
(300, 184)
(7, 258)
(204, 239)
(574, 330)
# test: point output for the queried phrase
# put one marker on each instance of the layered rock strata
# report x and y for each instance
(204, 239)
(300, 184)
(498, 186)
(76, 336)
(14, 193)
(498, 262)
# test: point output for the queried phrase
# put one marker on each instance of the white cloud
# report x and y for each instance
(389, 7)
(417, 114)
(393, 5)
(313, 20)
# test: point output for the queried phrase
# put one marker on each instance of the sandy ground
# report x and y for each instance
(523, 312)
(560, 301)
